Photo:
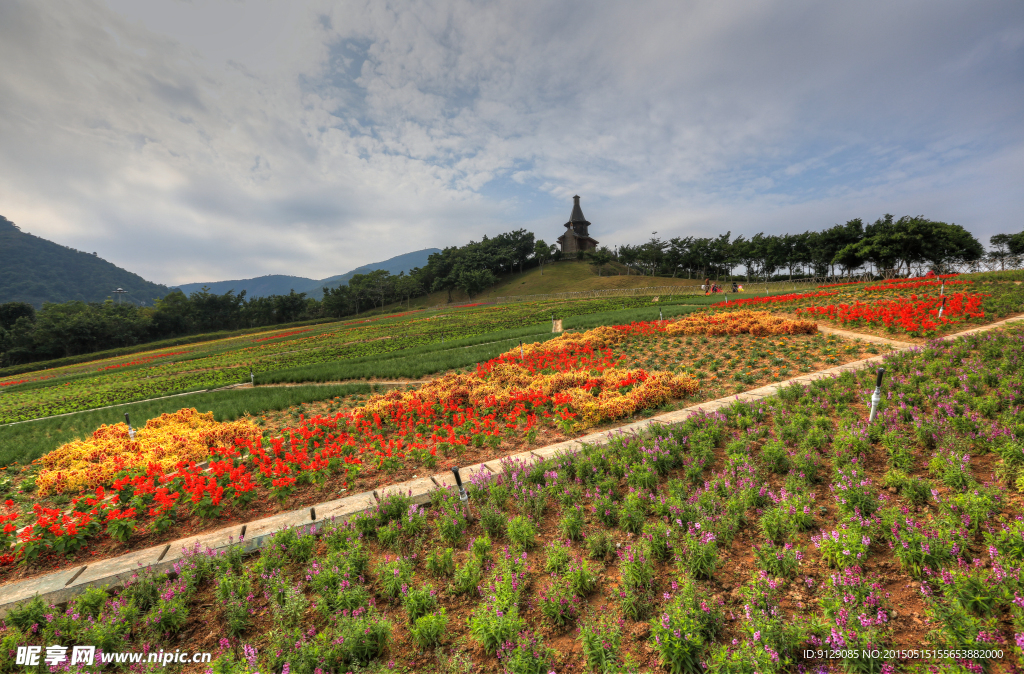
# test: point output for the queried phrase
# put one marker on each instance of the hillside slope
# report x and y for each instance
(278, 284)
(35, 270)
(560, 277)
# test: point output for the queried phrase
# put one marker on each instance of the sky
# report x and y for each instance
(205, 141)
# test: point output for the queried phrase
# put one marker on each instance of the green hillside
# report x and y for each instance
(558, 277)
(35, 270)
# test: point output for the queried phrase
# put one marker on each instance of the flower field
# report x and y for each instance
(538, 393)
(229, 361)
(916, 307)
(781, 535)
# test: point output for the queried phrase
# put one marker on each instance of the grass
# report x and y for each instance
(558, 277)
(24, 442)
(462, 353)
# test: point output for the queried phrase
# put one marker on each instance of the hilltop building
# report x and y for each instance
(576, 239)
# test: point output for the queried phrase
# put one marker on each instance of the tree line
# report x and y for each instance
(884, 245)
(73, 328)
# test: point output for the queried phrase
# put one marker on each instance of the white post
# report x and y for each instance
(876, 397)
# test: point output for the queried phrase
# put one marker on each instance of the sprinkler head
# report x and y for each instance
(878, 380)
(458, 482)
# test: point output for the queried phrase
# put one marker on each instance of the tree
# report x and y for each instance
(10, 312)
(542, 253)
(339, 301)
(472, 281)
(677, 254)
(1007, 244)
(599, 258)
(651, 254)
(289, 308)
(629, 256)
(1000, 244)
(849, 258)
(881, 245)
(1017, 244)
(835, 238)
(407, 287)
(950, 242)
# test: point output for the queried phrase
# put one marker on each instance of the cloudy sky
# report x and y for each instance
(201, 141)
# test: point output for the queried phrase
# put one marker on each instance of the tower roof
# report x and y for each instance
(577, 212)
(577, 216)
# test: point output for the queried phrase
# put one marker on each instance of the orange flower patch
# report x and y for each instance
(756, 323)
(185, 435)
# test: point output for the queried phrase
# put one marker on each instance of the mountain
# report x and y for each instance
(35, 270)
(277, 284)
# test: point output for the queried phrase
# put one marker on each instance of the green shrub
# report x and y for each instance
(571, 523)
(601, 641)
(558, 556)
(522, 532)
(491, 626)
(419, 602)
(558, 604)
(467, 576)
(441, 563)
(428, 630)
(600, 544)
(775, 456)
(394, 574)
(492, 520)
(631, 515)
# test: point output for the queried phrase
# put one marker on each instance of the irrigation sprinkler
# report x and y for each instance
(942, 288)
(463, 496)
(522, 355)
(252, 376)
(876, 397)
(661, 316)
(131, 431)
(942, 307)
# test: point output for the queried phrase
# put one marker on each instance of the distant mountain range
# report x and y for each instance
(278, 284)
(35, 270)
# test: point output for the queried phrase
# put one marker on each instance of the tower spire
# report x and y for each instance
(577, 212)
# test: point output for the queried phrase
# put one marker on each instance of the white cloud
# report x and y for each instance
(212, 140)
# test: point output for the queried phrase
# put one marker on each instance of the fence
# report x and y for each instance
(666, 291)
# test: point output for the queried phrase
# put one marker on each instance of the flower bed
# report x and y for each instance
(185, 436)
(222, 362)
(918, 317)
(750, 540)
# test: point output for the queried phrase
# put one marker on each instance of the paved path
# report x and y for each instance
(847, 334)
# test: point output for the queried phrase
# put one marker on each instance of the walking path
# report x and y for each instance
(61, 586)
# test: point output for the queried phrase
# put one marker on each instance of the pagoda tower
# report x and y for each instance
(576, 239)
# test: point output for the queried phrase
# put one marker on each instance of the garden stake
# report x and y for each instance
(943, 306)
(131, 431)
(876, 397)
(463, 496)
